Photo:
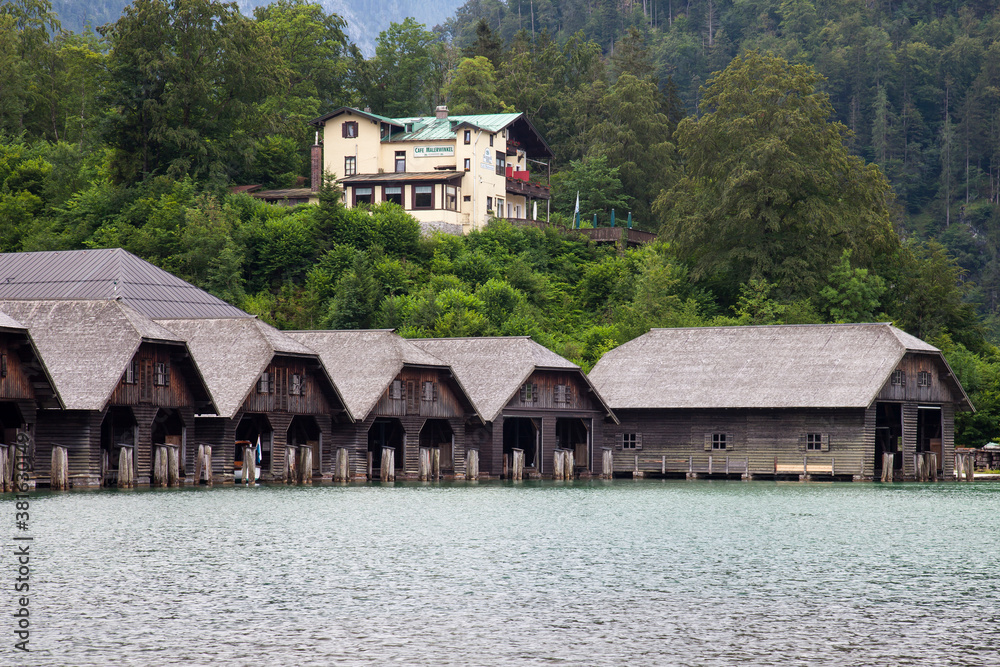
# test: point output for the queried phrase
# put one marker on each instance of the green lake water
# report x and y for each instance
(582, 573)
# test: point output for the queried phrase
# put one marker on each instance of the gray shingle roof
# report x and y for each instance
(788, 366)
(106, 274)
(9, 323)
(493, 369)
(85, 345)
(362, 363)
(231, 353)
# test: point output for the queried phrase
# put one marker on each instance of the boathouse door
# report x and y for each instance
(929, 431)
(888, 435)
(522, 433)
(385, 433)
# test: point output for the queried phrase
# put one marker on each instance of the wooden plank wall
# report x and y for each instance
(939, 390)
(312, 401)
(948, 440)
(144, 390)
(764, 437)
(79, 432)
(220, 433)
(16, 384)
(581, 397)
(448, 403)
(909, 438)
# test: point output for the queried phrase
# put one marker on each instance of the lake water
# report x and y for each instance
(582, 573)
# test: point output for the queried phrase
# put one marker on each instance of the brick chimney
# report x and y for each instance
(441, 112)
(317, 165)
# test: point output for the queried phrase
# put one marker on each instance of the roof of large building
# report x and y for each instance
(106, 274)
(362, 363)
(783, 366)
(86, 345)
(8, 323)
(493, 369)
(432, 128)
(232, 352)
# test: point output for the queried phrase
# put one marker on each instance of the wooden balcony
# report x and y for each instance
(516, 186)
(621, 235)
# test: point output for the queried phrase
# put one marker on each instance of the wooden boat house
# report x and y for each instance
(404, 401)
(24, 385)
(267, 387)
(122, 382)
(832, 400)
(532, 402)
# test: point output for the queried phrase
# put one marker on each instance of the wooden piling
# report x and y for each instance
(888, 460)
(370, 466)
(569, 463)
(388, 472)
(472, 464)
(342, 466)
(557, 464)
(436, 464)
(249, 464)
(126, 471)
(424, 464)
(173, 466)
(291, 472)
(506, 467)
(305, 465)
(518, 467)
(970, 468)
(607, 463)
(59, 476)
(932, 466)
(6, 470)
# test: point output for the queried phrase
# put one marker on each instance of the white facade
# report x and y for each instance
(448, 172)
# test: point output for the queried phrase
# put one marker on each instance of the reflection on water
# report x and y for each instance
(587, 573)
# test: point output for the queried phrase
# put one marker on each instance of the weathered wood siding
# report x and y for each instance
(15, 381)
(580, 396)
(220, 433)
(938, 391)
(765, 439)
(445, 404)
(312, 401)
(80, 433)
(143, 389)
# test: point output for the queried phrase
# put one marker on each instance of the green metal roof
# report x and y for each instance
(438, 129)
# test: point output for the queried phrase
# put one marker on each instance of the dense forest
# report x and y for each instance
(801, 163)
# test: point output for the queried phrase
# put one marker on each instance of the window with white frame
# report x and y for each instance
(451, 197)
(350, 165)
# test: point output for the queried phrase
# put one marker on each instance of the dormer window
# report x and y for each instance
(408, 127)
(349, 129)
(467, 136)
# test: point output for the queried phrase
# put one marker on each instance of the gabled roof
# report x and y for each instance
(86, 345)
(8, 323)
(432, 128)
(232, 352)
(362, 363)
(106, 274)
(777, 366)
(493, 369)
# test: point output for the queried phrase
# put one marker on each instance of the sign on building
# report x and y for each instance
(487, 159)
(433, 151)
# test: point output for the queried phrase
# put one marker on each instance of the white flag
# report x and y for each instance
(576, 211)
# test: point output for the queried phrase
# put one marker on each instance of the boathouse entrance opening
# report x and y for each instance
(888, 435)
(574, 433)
(10, 421)
(521, 433)
(168, 429)
(438, 433)
(251, 427)
(385, 433)
(118, 428)
(304, 432)
(929, 429)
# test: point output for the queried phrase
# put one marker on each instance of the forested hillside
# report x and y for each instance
(365, 18)
(801, 163)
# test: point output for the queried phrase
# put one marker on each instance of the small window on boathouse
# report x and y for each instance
(161, 375)
(630, 440)
(923, 379)
(898, 378)
(266, 383)
(529, 392)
